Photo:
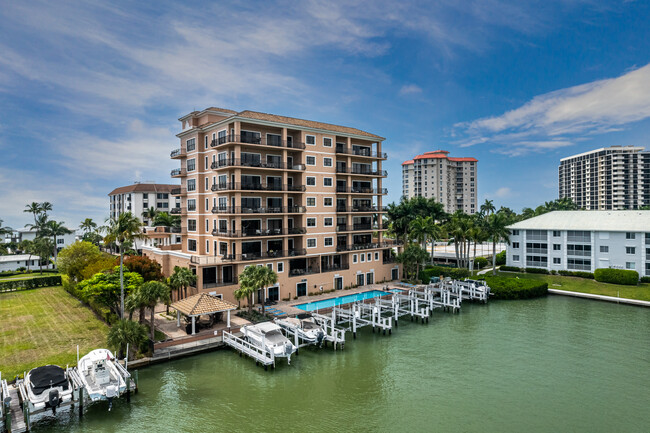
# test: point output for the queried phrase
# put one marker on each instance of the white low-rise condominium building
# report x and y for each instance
(582, 241)
(141, 196)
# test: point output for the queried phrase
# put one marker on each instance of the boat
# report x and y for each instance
(102, 376)
(306, 327)
(48, 387)
(268, 336)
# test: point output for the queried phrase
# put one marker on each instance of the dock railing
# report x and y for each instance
(259, 354)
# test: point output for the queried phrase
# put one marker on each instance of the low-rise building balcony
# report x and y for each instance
(259, 232)
(256, 141)
(367, 246)
(178, 172)
(361, 152)
(238, 162)
(220, 283)
(358, 227)
(264, 255)
(258, 210)
(361, 171)
(360, 209)
(308, 270)
(178, 153)
(360, 190)
(246, 186)
(335, 267)
(176, 211)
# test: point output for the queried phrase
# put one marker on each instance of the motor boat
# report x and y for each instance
(102, 376)
(268, 335)
(48, 387)
(306, 327)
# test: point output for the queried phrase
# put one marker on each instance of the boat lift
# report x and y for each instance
(472, 290)
(261, 355)
(333, 333)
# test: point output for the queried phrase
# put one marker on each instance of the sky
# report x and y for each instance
(91, 92)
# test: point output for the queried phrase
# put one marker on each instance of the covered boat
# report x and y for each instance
(269, 336)
(48, 387)
(306, 327)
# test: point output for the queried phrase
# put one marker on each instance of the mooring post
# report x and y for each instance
(81, 402)
(128, 391)
(136, 381)
(295, 335)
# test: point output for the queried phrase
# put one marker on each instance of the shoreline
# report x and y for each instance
(603, 298)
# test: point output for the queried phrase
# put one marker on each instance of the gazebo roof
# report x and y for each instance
(202, 303)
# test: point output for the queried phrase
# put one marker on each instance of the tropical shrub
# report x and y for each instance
(126, 332)
(31, 283)
(436, 271)
(536, 271)
(580, 274)
(106, 263)
(515, 288)
(645, 279)
(480, 262)
(74, 258)
(511, 269)
(149, 269)
(104, 289)
(501, 258)
(617, 276)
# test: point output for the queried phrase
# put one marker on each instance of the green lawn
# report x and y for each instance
(584, 285)
(29, 276)
(44, 326)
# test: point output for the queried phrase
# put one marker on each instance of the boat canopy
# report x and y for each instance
(46, 377)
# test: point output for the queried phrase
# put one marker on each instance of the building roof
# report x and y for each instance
(617, 148)
(144, 187)
(589, 220)
(202, 303)
(256, 115)
(17, 258)
(438, 154)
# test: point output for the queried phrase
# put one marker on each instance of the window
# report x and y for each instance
(191, 204)
(376, 257)
(191, 164)
(369, 257)
(328, 222)
(557, 261)
(327, 162)
(311, 201)
(647, 238)
(579, 264)
(207, 184)
(145, 196)
(311, 222)
(162, 196)
(310, 160)
(280, 267)
(270, 266)
(191, 184)
(556, 233)
(604, 249)
(362, 257)
(630, 265)
(327, 181)
(311, 243)
(515, 258)
(630, 235)
(191, 225)
(190, 144)
(630, 250)
(311, 181)
(557, 247)
(207, 246)
(327, 142)
(310, 139)
(354, 258)
(191, 245)
(60, 241)
(327, 201)
(329, 242)
(205, 141)
(515, 245)
(514, 232)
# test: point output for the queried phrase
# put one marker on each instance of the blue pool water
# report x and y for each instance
(328, 303)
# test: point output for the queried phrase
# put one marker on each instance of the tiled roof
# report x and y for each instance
(202, 303)
(144, 187)
(438, 154)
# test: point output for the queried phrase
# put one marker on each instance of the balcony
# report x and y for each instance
(238, 162)
(360, 209)
(369, 246)
(361, 171)
(178, 172)
(361, 152)
(360, 190)
(238, 186)
(304, 271)
(220, 283)
(334, 268)
(259, 232)
(258, 210)
(358, 227)
(179, 191)
(264, 255)
(176, 211)
(261, 141)
(178, 153)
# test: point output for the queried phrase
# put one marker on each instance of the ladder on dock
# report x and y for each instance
(260, 355)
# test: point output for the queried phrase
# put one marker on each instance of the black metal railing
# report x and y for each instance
(257, 210)
(178, 172)
(361, 152)
(296, 272)
(264, 255)
(362, 171)
(333, 268)
(361, 190)
(259, 232)
(239, 162)
(355, 227)
(361, 208)
(367, 246)
(177, 152)
(176, 211)
(220, 282)
(178, 191)
(250, 186)
(263, 141)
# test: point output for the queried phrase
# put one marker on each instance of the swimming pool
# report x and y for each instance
(347, 299)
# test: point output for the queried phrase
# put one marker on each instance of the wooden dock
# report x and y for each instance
(17, 417)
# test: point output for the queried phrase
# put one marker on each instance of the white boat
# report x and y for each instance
(102, 376)
(268, 335)
(47, 387)
(306, 327)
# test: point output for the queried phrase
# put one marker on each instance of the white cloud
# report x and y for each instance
(560, 118)
(410, 89)
(502, 192)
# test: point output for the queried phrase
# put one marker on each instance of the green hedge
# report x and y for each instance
(537, 271)
(30, 283)
(580, 274)
(645, 279)
(31, 271)
(436, 271)
(617, 276)
(515, 288)
(480, 262)
(102, 312)
(511, 269)
(501, 258)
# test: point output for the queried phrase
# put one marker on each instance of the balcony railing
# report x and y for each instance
(220, 283)
(176, 211)
(259, 232)
(362, 171)
(390, 259)
(258, 210)
(179, 191)
(355, 227)
(262, 141)
(360, 190)
(361, 152)
(238, 162)
(246, 186)
(304, 271)
(368, 246)
(361, 209)
(264, 255)
(178, 172)
(334, 268)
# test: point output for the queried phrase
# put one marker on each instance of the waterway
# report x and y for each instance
(556, 364)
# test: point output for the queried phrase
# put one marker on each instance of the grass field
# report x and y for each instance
(44, 326)
(584, 285)
(28, 276)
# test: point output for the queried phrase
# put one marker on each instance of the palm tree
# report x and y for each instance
(40, 223)
(166, 220)
(151, 293)
(487, 207)
(27, 246)
(182, 278)
(126, 332)
(150, 214)
(54, 229)
(34, 208)
(496, 229)
(125, 228)
(42, 247)
(249, 281)
(5, 230)
(267, 277)
(88, 225)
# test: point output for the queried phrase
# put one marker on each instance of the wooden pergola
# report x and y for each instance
(199, 305)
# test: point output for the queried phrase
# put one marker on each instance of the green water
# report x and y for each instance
(551, 365)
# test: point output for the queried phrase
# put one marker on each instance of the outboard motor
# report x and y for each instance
(111, 392)
(320, 337)
(54, 400)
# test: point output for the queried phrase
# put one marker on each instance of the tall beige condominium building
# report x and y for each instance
(301, 197)
(451, 181)
(615, 178)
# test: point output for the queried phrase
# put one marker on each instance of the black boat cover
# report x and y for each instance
(42, 378)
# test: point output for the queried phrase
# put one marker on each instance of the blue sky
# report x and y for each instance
(90, 93)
